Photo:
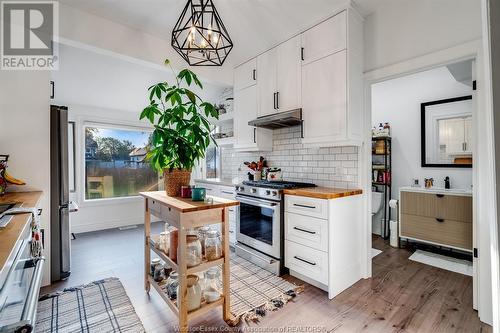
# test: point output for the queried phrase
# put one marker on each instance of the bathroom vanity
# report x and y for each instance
(436, 216)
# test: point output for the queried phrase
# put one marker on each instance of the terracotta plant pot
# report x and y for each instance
(174, 179)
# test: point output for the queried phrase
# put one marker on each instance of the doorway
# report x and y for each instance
(398, 76)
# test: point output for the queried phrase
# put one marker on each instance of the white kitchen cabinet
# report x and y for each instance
(267, 64)
(226, 192)
(279, 78)
(332, 82)
(324, 242)
(325, 38)
(289, 75)
(249, 138)
(324, 99)
(245, 75)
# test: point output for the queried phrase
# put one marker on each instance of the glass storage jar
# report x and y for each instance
(164, 242)
(211, 291)
(202, 234)
(159, 274)
(154, 263)
(172, 284)
(193, 292)
(193, 251)
(213, 246)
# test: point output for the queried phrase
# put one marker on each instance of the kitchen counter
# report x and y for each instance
(218, 181)
(437, 190)
(10, 235)
(323, 192)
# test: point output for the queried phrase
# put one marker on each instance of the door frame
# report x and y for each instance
(483, 189)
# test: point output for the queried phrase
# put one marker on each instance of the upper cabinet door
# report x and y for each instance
(326, 38)
(245, 75)
(324, 99)
(266, 85)
(245, 108)
(289, 75)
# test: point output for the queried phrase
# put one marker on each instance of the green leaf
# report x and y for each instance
(191, 96)
(196, 81)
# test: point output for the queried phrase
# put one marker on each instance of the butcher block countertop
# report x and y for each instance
(185, 205)
(323, 192)
(10, 234)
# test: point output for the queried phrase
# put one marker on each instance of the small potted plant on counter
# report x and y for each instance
(181, 128)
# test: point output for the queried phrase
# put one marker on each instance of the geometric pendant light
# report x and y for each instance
(200, 36)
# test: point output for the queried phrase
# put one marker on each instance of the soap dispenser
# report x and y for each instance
(447, 183)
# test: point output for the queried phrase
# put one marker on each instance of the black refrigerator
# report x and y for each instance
(60, 234)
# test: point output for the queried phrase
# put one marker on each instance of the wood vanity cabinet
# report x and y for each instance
(443, 219)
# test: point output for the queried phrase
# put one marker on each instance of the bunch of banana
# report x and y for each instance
(13, 180)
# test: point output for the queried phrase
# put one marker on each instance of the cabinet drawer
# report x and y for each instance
(170, 215)
(307, 261)
(306, 230)
(447, 232)
(154, 207)
(227, 192)
(449, 207)
(307, 206)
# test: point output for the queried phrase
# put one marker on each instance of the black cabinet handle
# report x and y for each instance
(52, 90)
(277, 100)
(254, 74)
(254, 130)
(227, 192)
(302, 53)
(440, 195)
(439, 220)
(274, 101)
(304, 206)
(306, 261)
(304, 230)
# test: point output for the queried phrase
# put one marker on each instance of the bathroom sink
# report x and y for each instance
(439, 190)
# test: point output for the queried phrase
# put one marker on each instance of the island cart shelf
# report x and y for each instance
(185, 214)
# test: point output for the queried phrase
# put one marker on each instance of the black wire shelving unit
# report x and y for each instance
(382, 164)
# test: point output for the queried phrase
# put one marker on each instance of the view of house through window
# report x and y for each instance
(115, 163)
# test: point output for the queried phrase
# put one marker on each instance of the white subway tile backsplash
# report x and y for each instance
(331, 167)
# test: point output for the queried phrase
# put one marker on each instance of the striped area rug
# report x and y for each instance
(255, 291)
(103, 306)
(100, 306)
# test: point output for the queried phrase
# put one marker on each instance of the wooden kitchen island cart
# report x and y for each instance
(185, 214)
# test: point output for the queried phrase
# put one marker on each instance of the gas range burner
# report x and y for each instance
(278, 185)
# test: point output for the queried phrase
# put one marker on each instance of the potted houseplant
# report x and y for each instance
(181, 128)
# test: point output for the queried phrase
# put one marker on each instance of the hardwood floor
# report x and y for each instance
(402, 296)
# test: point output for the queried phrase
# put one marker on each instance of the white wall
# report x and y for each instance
(24, 135)
(398, 102)
(104, 89)
(81, 27)
(404, 29)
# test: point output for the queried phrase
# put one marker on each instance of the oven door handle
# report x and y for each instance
(29, 311)
(259, 203)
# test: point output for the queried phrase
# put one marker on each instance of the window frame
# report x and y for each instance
(83, 171)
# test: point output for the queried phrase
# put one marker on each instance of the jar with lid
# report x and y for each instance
(193, 251)
(164, 242)
(159, 274)
(193, 292)
(154, 262)
(211, 291)
(172, 285)
(213, 246)
(202, 234)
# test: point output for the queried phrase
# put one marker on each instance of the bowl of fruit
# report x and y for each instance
(5, 177)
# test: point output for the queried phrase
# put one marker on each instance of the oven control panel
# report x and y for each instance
(259, 192)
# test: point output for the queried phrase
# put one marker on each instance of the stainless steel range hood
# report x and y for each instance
(279, 120)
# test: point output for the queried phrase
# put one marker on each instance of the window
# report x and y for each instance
(115, 163)
(212, 158)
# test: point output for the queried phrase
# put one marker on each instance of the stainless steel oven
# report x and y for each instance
(259, 225)
(20, 282)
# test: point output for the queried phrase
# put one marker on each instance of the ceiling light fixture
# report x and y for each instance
(199, 35)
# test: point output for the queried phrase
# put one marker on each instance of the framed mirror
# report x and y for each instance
(446, 133)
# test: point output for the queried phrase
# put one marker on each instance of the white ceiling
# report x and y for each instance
(254, 25)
